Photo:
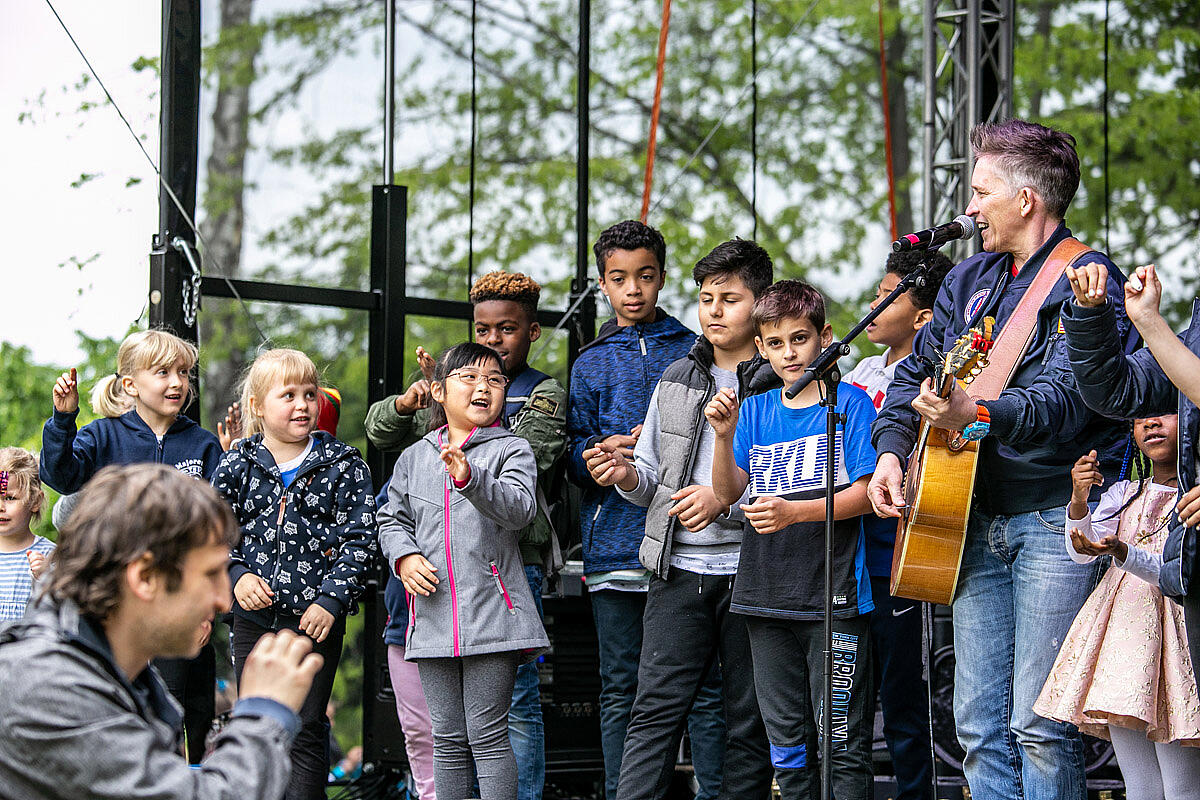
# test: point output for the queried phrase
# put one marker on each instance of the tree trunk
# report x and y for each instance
(224, 215)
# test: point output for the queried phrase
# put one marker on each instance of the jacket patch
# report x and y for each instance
(544, 405)
(974, 304)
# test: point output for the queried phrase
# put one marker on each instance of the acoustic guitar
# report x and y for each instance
(938, 487)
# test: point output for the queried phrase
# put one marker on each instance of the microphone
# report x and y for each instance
(963, 227)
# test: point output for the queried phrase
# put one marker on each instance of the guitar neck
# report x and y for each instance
(946, 385)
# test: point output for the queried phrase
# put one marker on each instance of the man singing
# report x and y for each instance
(1018, 590)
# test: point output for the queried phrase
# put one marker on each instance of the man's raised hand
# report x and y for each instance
(281, 667)
(1089, 283)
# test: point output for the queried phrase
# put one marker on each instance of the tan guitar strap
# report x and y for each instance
(1017, 332)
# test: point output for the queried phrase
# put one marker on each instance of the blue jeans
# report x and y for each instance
(1018, 593)
(525, 729)
(618, 618)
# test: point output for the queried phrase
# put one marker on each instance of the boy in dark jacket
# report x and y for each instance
(611, 384)
(1139, 385)
(692, 542)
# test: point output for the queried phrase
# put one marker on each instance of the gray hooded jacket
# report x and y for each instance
(75, 728)
(482, 603)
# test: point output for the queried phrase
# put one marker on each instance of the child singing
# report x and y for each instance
(456, 502)
(304, 503)
(1123, 672)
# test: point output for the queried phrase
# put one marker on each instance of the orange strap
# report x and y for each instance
(1017, 332)
(662, 57)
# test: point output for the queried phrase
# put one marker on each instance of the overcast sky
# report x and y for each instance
(46, 222)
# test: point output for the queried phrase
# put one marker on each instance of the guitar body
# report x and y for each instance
(929, 543)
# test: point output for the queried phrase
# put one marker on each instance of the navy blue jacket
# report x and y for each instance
(1136, 386)
(611, 384)
(1039, 424)
(313, 541)
(70, 459)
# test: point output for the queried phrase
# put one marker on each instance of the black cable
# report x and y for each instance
(754, 115)
(471, 168)
(191, 223)
(1104, 111)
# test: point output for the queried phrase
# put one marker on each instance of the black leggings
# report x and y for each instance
(193, 682)
(310, 751)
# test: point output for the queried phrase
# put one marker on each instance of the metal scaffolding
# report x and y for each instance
(968, 75)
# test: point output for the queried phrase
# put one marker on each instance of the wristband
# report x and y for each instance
(981, 427)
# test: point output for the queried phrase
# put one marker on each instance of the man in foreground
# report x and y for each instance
(140, 572)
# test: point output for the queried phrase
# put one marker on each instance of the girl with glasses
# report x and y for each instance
(456, 502)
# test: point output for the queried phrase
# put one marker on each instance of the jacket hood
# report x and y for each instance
(478, 436)
(61, 620)
(326, 450)
(663, 325)
(755, 375)
(134, 422)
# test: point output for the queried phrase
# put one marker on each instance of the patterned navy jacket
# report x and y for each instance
(313, 541)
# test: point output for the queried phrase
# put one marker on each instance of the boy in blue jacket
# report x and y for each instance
(611, 384)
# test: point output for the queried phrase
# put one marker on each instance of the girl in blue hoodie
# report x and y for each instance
(305, 504)
(141, 406)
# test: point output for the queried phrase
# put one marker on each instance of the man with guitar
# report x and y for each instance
(1018, 591)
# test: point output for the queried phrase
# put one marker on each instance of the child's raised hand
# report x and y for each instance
(231, 430)
(415, 397)
(253, 593)
(1141, 304)
(417, 574)
(316, 622)
(696, 507)
(722, 413)
(769, 514)
(37, 563)
(66, 393)
(1084, 475)
(607, 465)
(1108, 546)
(1089, 283)
(426, 362)
(456, 463)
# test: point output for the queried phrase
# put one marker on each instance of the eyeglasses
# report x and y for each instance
(473, 379)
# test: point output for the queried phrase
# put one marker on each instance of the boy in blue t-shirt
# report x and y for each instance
(777, 447)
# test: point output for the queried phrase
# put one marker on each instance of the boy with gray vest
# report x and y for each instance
(692, 542)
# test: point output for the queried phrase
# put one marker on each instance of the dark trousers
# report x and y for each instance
(788, 657)
(896, 647)
(618, 618)
(687, 627)
(310, 751)
(193, 683)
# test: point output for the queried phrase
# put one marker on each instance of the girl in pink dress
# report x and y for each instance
(1123, 672)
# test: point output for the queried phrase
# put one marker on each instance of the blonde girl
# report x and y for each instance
(22, 553)
(153, 376)
(306, 509)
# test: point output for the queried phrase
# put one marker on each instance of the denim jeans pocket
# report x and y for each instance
(1053, 519)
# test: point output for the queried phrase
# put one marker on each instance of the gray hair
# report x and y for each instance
(1032, 155)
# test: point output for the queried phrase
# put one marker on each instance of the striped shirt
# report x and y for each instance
(16, 580)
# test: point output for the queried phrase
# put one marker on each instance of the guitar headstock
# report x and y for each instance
(969, 354)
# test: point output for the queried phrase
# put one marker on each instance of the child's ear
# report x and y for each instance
(758, 342)
(127, 386)
(535, 331)
(438, 390)
(922, 318)
(827, 335)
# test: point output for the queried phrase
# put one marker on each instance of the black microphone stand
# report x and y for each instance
(825, 369)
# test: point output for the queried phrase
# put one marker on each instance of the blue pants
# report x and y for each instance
(525, 729)
(618, 618)
(1018, 593)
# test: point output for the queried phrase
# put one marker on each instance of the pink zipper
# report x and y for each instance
(503, 591)
(446, 537)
